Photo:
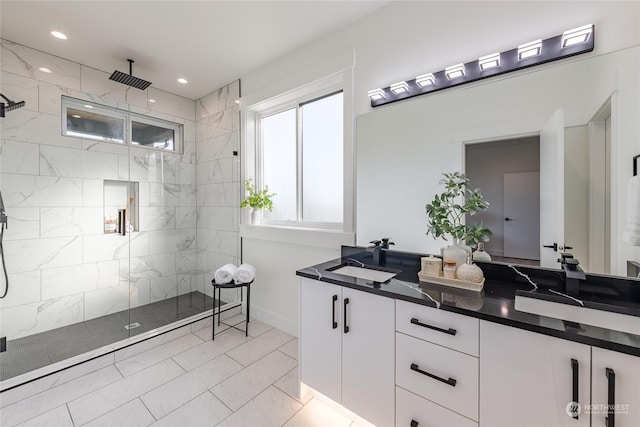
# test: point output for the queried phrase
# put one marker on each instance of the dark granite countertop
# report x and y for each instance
(496, 301)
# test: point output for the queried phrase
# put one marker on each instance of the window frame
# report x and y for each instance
(295, 100)
(127, 118)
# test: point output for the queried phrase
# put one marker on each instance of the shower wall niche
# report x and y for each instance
(121, 197)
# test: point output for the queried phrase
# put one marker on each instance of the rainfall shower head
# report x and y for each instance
(129, 79)
(10, 105)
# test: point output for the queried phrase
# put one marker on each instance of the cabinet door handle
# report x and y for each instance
(435, 328)
(334, 324)
(414, 423)
(344, 313)
(610, 421)
(574, 386)
(450, 381)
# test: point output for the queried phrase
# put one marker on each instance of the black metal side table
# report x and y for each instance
(231, 285)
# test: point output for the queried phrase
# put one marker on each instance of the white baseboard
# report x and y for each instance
(287, 325)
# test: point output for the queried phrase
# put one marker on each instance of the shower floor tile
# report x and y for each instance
(38, 350)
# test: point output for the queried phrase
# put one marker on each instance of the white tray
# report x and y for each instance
(462, 284)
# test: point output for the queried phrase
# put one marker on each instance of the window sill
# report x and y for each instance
(330, 239)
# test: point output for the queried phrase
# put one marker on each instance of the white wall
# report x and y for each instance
(404, 39)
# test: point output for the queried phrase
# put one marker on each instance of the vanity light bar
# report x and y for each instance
(425, 80)
(530, 49)
(376, 94)
(400, 87)
(572, 42)
(576, 36)
(489, 61)
(455, 71)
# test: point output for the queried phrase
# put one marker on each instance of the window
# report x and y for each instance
(87, 120)
(301, 159)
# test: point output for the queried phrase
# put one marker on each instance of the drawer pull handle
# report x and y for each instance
(574, 384)
(334, 324)
(450, 381)
(435, 328)
(414, 423)
(609, 420)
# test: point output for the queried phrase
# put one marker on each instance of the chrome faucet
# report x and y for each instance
(573, 274)
(379, 250)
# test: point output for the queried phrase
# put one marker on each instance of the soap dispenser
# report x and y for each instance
(469, 272)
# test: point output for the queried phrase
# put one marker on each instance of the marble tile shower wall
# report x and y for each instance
(62, 267)
(218, 182)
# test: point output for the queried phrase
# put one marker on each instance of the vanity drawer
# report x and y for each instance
(441, 327)
(441, 375)
(414, 411)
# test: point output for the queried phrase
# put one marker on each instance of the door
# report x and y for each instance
(528, 379)
(522, 215)
(368, 349)
(552, 190)
(624, 379)
(320, 337)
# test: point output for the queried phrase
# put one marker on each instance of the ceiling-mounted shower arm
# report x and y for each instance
(11, 105)
(129, 79)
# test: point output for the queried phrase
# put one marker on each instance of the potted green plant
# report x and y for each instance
(257, 200)
(447, 211)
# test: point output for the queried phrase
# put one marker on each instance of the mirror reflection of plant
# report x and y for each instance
(257, 199)
(448, 209)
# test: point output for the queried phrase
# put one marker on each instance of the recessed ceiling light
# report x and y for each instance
(183, 81)
(59, 35)
(237, 101)
(76, 116)
(151, 100)
(45, 70)
(88, 106)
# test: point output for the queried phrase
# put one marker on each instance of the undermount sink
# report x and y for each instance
(365, 273)
(578, 314)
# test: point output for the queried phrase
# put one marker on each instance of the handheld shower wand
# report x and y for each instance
(10, 105)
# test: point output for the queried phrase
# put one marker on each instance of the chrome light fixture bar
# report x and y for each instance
(572, 42)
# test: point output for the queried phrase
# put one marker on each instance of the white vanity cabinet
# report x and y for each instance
(615, 380)
(529, 379)
(347, 348)
(436, 367)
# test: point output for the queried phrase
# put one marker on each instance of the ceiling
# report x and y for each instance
(209, 43)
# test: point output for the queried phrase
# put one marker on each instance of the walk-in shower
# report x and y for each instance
(70, 168)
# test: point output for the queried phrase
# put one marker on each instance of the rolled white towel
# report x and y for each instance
(244, 274)
(225, 274)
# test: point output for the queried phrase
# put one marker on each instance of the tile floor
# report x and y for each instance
(45, 348)
(187, 381)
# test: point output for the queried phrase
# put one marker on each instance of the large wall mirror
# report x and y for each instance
(574, 125)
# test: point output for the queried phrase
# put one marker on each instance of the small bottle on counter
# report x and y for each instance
(449, 269)
(480, 254)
